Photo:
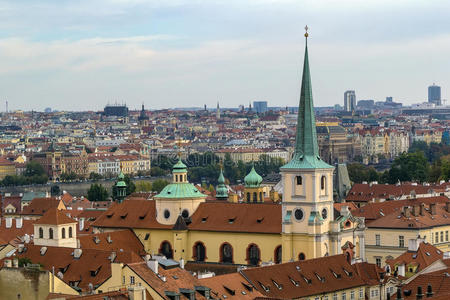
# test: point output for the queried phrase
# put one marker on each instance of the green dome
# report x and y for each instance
(121, 184)
(253, 179)
(121, 180)
(179, 167)
(221, 190)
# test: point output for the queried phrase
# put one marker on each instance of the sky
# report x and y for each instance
(81, 55)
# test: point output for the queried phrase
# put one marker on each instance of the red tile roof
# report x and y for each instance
(39, 206)
(120, 240)
(425, 255)
(55, 217)
(233, 286)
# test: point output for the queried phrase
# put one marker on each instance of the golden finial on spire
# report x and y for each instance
(306, 31)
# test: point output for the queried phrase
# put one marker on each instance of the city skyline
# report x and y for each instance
(79, 57)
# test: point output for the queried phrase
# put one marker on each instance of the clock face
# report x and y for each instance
(324, 214)
(298, 214)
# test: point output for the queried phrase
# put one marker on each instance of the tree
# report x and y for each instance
(408, 167)
(95, 176)
(33, 168)
(55, 190)
(143, 186)
(97, 192)
(159, 184)
(157, 171)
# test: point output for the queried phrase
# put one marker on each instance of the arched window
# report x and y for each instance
(166, 249)
(41, 233)
(248, 197)
(253, 255)
(261, 197)
(301, 256)
(63, 233)
(255, 199)
(199, 252)
(70, 232)
(226, 253)
(299, 180)
(322, 182)
(277, 255)
(50, 233)
(176, 178)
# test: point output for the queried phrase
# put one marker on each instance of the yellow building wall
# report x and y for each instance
(339, 295)
(56, 285)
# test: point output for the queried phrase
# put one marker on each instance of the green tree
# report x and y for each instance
(95, 176)
(55, 190)
(157, 171)
(33, 168)
(143, 186)
(97, 192)
(408, 167)
(159, 184)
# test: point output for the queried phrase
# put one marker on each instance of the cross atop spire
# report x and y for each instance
(306, 154)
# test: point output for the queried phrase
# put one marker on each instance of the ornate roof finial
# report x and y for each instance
(306, 31)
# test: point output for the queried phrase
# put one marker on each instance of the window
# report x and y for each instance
(253, 255)
(63, 233)
(50, 233)
(166, 214)
(401, 241)
(123, 279)
(324, 214)
(147, 236)
(226, 252)
(335, 296)
(322, 183)
(185, 213)
(446, 236)
(436, 237)
(199, 251)
(344, 296)
(255, 197)
(278, 255)
(301, 256)
(132, 280)
(176, 178)
(352, 295)
(377, 240)
(442, 236)
(70, 232)
(378, 261)
(361, 293)
(299, 180)
(41, 233)
(248, 197)
(166, 249)
(298, 214)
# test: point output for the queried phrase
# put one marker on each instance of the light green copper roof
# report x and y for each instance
(179, 167)
(306, 154)
(180, 190)
(120, 180)
(121, 176)
(253, 179)
(121, 184)
(221, 190)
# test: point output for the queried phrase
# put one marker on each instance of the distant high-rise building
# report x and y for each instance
(260, 106)
(349, 101)
(116, 110)
(434, 94)
(389, 99)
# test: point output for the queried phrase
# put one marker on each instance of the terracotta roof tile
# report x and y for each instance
(55, 216)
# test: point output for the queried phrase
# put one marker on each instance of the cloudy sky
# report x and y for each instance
(79, 55)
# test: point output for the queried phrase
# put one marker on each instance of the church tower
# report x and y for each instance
(307, 203)
(221, 189)
(218, 111)
(253, 191)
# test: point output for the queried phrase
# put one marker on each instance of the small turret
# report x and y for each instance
(121, 187)
(221, 190)
(253, 191)
(253, 179)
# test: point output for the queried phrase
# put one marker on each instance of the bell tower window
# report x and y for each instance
(322, 182)
(299, 180)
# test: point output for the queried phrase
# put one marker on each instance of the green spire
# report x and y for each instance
(221, 190)
(306, 153)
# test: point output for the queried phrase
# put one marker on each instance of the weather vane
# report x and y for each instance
(306, 29)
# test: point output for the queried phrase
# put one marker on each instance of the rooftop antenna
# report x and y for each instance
(6, 106)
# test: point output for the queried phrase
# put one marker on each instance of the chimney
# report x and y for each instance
(401, 270)
(113, 256)
(81, 224)
(109, 239)
(8, 222)
(15, 264)
(182, 263)
(19, 222)
(77, 253)
(433, 208)
(406, 211)
(429, 291)
(422, 209)
(415, 210)
(413, 245)
(344, 210)
(419, 294)
(137, 293)
(78, 243)
(447, 206)
(153, 265)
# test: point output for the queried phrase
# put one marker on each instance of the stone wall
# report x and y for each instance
(23, 283)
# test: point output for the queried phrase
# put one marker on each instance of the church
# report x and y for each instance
(181, 224)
